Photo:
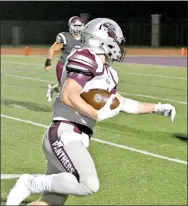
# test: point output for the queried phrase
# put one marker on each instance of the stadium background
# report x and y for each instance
(39, 22)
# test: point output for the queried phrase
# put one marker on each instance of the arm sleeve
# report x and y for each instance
(81, 79)
(60, 38)
(81, 66)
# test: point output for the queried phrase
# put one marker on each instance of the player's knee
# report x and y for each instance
(93, 184)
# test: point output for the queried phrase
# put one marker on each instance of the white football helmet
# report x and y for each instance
(104, 36)
(76, 25)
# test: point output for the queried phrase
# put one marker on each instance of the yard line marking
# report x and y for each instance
(105, 142)
(24, 63)
(139, 95)
(29, 78)
(127, 63)
(157, 66)
(153, 97)
(26, 121)
(129, 73)
(152, 75)
(140, 151)
(18, 106)
(131, 55)
(13, 176)
(23, 56)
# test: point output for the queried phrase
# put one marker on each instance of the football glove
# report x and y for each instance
(105, 112)
(166, 110)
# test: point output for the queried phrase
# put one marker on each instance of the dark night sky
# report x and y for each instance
(59, 10)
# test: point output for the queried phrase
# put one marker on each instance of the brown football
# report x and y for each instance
(97, 98)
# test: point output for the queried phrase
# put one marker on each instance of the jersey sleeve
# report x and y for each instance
(79, 78)
(60, 38)
(81, 66)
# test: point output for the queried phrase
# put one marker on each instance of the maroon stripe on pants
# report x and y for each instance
(59, 150)
(59, 71)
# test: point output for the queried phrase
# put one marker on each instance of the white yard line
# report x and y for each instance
(22, 63)
(106, 142)
(156, 66)
(13, 176)
(139, 95)
(129, 73)
(29, 78)
(22, 56)
(153, 97)
(128, 55)
(18, 106)
(153, 75)
(136, 65)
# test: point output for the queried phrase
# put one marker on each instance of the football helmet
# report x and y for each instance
(76, 25)
(104, 36)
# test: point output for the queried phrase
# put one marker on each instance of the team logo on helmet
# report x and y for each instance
(111, 31)
(105, 36)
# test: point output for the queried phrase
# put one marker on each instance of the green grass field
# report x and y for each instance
(128, 174)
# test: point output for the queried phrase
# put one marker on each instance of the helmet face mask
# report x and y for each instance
(76, 25)
(122, 51)
(105, 36)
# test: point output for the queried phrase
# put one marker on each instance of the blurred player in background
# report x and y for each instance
(65, 41)
(70, 167)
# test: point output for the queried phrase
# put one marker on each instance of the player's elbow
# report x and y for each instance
(51, 51)
(65, 98)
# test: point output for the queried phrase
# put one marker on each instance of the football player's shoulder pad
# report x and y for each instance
(82, 61)
(61, 38)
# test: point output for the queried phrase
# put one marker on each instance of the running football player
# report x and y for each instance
(70, 167)
(65, 41)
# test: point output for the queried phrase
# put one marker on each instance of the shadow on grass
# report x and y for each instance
(28, 105)
(181, 136)
(159, 135)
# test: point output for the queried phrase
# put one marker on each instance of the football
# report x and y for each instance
(97, 98)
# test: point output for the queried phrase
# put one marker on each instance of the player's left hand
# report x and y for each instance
(106, 112)
(166, 110)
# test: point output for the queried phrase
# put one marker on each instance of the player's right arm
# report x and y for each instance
(71, 97)
(135, 107)
(58, 45)
(81, 68)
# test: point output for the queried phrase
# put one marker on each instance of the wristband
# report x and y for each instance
(157, 108)
(48, 62)
(129, 106)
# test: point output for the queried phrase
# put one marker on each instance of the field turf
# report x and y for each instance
(138, 158)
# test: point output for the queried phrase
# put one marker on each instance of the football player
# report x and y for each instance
(65, 41)
(70, 167)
